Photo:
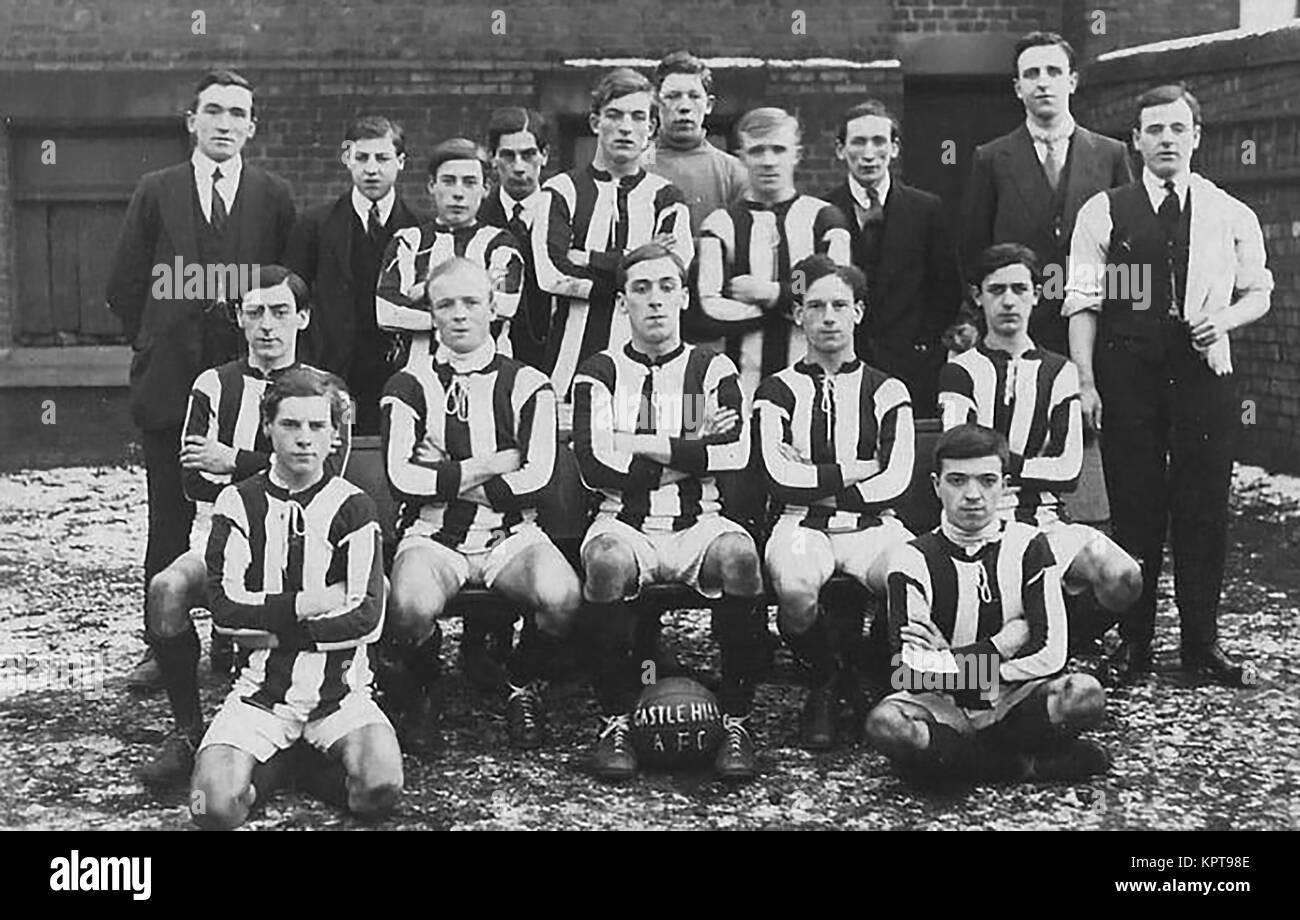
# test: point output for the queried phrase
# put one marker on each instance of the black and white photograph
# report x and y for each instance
(609, 415)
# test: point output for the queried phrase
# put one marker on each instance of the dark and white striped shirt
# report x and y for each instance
(623, 390)
(1034, 401)
(401, 301)
(590, 211)
(442, 412)
(859, 413)
(226, 404)
(971, 594)
(765, 241)
(268, 545)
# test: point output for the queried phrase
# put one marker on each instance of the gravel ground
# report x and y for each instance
(1186, 755)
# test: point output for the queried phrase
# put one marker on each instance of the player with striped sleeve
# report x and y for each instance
(590, 217)
(654, 420)
(1031, 396)
(223, 442)
(837, 444)
(295, 572)
(458, 174)
(469, 440)
(747, 289)
(977, 623)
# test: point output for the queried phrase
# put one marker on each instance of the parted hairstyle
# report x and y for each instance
(1160, 95)
(511, 119)
(306, 381)
(458, 148)
(813, 268)
(765, 120)
(222, 78)
(366, 127)
(622, 81)
(646, 253)
(687, 63)
(1000, 255)
(1040, 39)
(968, 442)
(870, 107)
(268, 276)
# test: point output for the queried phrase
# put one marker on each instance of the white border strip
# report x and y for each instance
(1193, 41)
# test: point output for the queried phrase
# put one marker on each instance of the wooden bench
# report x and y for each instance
(566, 510)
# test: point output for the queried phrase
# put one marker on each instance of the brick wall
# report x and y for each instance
(8, 287)
(976, 15)
(1249, 90)
(1098, 26)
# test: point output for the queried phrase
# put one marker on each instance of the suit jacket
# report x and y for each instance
(916, 291)
(529, 330)
(174, 338)
(320, 250)
(1008, 200)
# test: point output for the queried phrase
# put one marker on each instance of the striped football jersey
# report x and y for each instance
(750, 238)
(970, 594)
(859, 413)
(588, 211)
(401, 302)
(1034, 401)
(622, 390)
(269, 545)
(438, 414)
(226, 404)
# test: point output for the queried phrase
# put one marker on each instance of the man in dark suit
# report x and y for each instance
(337, 248)
(1027, 186)
(175, 306)
(518, 141)
(900, 243)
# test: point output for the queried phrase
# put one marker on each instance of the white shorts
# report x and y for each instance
(673, 556)
(261, 733)
(1067, 541)
(479, 566)
(202, 528)
(854, 553)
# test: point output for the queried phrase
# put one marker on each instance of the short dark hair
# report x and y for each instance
(815, 267)
(511, 119)
(622, 81)
(870, 107)
(366, 127)
(222, 78)
(1000, 255)
(1039, 39)
(687, 63)
(968, 442)
(458, 148)
(306, 381)
(1166, 93)
(646, 252)
(268, 276)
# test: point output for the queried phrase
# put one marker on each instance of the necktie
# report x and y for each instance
(1170, 215)
(372, 222)
(218, 210)
(645, 417)
(873, 222)
(519, 212)
(1052, 163)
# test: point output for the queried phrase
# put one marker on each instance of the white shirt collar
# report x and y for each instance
(361, 204)
(1041, 136)
(230, 170)
(1155, 187)
(859, 191)
(529, 203)
(476, 360)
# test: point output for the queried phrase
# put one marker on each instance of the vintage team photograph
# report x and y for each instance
(650, 414)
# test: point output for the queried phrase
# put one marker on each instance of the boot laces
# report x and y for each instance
(618, 726)
(527, 697)
(737, 731)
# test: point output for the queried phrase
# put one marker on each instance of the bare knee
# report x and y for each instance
(737, 564)
(558, 603)
(797, 598)
(611, 567)
(168, 607)
(219, 810)
(895, 731)
(1081, 702)
(413, 610)
(373, 799)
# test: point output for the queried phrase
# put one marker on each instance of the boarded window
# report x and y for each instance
(71, 188)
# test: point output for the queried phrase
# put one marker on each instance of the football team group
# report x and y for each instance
(733, 368)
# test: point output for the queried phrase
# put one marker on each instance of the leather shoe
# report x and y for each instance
(1213, 663)
(1130, 661)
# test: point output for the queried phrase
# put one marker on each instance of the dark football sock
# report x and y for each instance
(535, 652)
(608, 630)
(646, 633)
(424, 661)
(323, 777)
(1029, 728)
(178, 661)
(814, 648)
(739, 627)
(272, 776)
(956, 759)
